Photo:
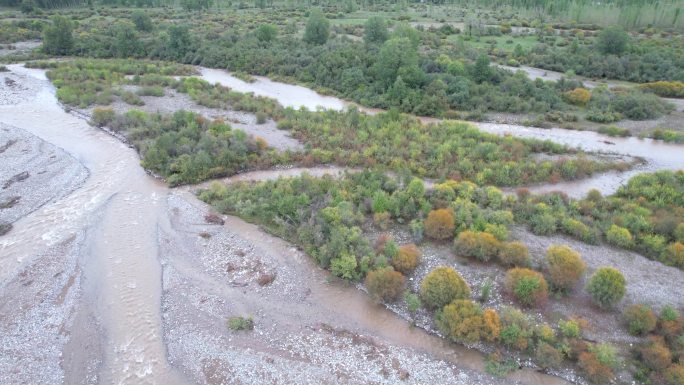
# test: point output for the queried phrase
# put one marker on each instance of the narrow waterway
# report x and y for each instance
(658, 154)
(115, 219)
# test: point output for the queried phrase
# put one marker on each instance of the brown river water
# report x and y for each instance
(121, 210)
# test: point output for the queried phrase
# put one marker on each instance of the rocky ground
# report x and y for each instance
(648, 282)
(34, 172)
(309, 329)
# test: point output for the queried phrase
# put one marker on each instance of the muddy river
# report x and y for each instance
(98, 286)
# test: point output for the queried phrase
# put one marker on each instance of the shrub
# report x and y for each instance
(214, 219)
(261, 117)
(547, 356)
(565, 267)
(655, 354)
(640, 319)
(461, 320)
(678, 233)
(102, 116)
(407, 259)
(606, 287)
(492, 325)
(596, 370)
(440, 224)
(527, 286)
(578, 96)
(441, 286)
(385, 284)
(543, 224)
(667, 89)
(382, 220)
(570, 328)
(240, 323)
(619, 236)
(482, 246)
(514, 254)
(674, 255)
(669, 322)
(674, 375)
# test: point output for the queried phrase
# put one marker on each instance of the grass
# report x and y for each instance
(504, 43)
(240, 323)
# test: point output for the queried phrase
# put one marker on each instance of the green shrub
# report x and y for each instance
(261, 117)
(102, 116)
(570, 328)
(565, 267)
(514, 254)
(527, 286)
(619, 236)
(482, 246)
(543, 224)
(674, 255)
(640, 319)
(441, 286)
(606, 287)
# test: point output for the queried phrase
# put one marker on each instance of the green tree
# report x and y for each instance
(375, 30)
(481, 70)
(395, 55)
(606, 287)
(127, 43)
(57, 37)
(612, 41)
(317, 28)
(142, 21)
(266, 33)
(178, 41)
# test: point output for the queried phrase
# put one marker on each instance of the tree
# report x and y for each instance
(57, 37)
(317, 28)
(606, 287)
(407, 259)
(440, 224)
(397, 56)
(441, 286)
(612, 41)
(527, 286)
(179, 41)
(565, 267)
(127, 43)
(142, 21)
(481, 71)
(385, 284)
(375, 30)
(266, 33)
